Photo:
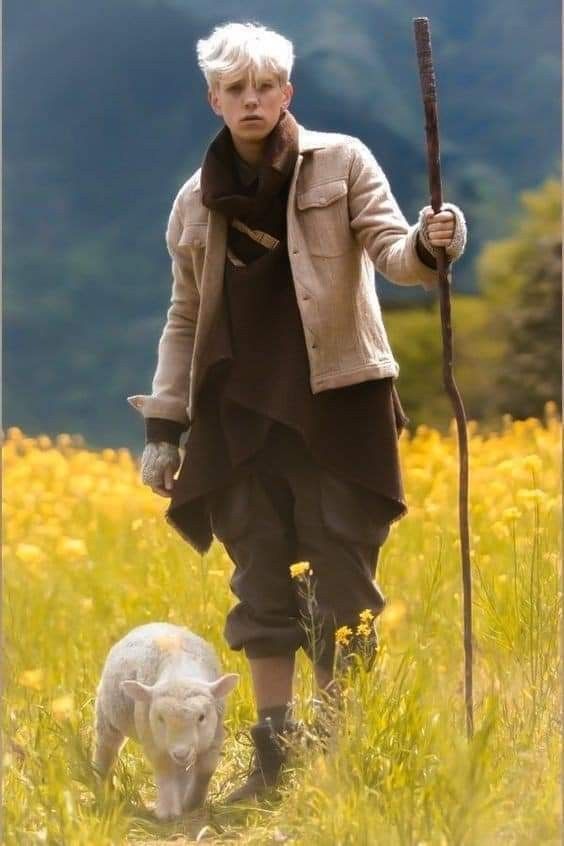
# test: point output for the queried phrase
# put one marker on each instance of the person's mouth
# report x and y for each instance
(251, 118)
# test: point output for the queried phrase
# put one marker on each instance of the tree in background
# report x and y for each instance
(520, 278)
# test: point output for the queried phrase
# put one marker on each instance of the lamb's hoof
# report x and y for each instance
(164, 814)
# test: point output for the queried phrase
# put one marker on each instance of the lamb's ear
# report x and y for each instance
(224, 685)
(137, 690)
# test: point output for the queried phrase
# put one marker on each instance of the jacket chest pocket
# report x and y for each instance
(324, 216)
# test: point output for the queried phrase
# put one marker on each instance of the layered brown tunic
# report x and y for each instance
(257, 365)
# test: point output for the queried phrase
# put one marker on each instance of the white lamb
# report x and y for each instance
(161, 685)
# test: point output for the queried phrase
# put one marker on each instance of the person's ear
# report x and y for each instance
(288, 90)
(212, 100)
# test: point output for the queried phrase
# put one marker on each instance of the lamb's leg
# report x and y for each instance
(169, 792)
(196, 790)
(108, 742)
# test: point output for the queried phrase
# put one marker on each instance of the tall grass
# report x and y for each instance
(88, 555)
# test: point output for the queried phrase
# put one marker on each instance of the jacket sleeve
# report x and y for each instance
(380, 226)
(168, 399)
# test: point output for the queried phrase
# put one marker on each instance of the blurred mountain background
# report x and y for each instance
(105, 116)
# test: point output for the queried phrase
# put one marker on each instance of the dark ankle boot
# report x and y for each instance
(269, 755)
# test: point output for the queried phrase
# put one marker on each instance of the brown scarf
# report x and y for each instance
(221, 188)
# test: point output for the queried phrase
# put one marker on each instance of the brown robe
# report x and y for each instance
(257, 365)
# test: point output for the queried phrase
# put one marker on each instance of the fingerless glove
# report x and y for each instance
(156, 458)
(458, 242)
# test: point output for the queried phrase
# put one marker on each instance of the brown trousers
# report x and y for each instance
(283, 508)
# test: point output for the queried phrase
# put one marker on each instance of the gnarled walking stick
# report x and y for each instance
(427, 78)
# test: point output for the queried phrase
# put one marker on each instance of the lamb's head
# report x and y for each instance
(183, 714)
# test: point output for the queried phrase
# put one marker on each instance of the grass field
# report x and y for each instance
(88, 555)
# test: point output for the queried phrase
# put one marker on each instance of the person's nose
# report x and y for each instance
(251, 97)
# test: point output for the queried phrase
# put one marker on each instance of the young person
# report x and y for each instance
(275, 359)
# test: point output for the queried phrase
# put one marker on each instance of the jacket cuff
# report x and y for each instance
(458, 242)
(169, 409)
(158, 429)
(424, 255)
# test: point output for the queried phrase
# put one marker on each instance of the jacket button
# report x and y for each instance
(295, 251)
(306, 297)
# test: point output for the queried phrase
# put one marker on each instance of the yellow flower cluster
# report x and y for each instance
(365, 628)
(302, 568)
(60, 496)
(513, 472)
(343, 634)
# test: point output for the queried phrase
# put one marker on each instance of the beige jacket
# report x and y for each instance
(342, 221)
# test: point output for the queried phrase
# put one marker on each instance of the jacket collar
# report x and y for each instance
(308, 140)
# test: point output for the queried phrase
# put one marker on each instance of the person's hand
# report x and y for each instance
(440, 227)
(159, 463)
(447, 228)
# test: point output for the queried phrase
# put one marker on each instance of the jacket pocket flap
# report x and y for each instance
(322, 195)
(193, 235)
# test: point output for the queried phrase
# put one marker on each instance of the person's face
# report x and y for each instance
(241, 96)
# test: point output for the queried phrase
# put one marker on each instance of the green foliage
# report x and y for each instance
(416, 338)
(505, 266)
(521, 277)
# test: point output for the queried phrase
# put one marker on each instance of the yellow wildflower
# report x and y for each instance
(533, 494)
(366, 615)
(532, 462)
(363, 629)
(80, 485)
(63, 706)
(511, 513)
(343, 635)
(71, 548)
(500, 530)
(31, 678)
(300, 569)
(393, 614)
(29, 553)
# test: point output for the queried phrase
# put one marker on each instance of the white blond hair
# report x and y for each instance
(238, 47)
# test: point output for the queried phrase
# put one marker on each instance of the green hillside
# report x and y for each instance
(105, 116)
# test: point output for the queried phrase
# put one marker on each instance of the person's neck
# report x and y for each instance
(250, 153)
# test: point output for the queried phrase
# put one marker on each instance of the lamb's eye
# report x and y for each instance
(202, 717)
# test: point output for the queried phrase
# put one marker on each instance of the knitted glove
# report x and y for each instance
(458, 243)
(159, 463)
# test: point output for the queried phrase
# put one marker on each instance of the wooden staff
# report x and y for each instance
(428, 90)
